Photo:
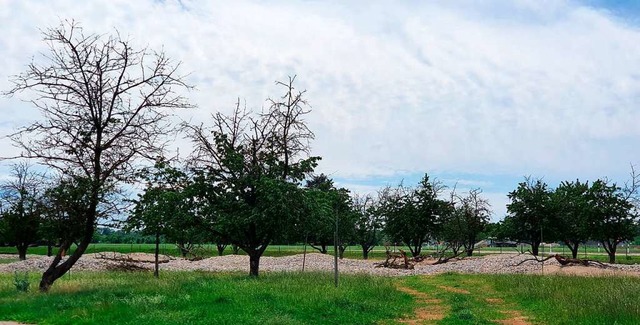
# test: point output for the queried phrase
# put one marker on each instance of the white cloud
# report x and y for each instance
(526, 87)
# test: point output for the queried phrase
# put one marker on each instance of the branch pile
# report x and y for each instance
(392, 261)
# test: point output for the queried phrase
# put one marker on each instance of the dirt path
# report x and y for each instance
(432, 309)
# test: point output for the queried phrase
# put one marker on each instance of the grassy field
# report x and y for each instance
(310, 298)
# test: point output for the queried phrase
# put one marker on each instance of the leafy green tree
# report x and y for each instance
(333, 210)
(249, 170)
(613, 218)
(469, 217)
(20, 217)
(573, 210)
(368, 223)
(164, 209)
(414, 216)
(104, 106)
(530, 211)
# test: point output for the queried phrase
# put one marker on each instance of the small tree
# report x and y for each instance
(103, 107)
(368, 223)
(21, 217)
(163, 208)
(413, 216)
(249, 170)
(613, 218)
(530, 210)
(573, 210)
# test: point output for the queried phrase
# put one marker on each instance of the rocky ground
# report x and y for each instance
(492, 264)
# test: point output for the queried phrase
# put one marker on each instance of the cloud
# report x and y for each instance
(516, 88)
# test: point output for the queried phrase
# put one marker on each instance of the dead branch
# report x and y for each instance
(390, 262)
(564, 261)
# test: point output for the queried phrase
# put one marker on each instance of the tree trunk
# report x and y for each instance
(365, 252)
(49, 249)
(611, 250)
(254, 263)
(22, 251)
(220, 248)
(56, 270)
(470, 252)
(341, 250)
(415, 250)
(535, 248)
(157, 252)
(573, 247)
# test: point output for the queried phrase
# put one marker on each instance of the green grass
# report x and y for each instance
(310, 298)
(545, 300)
(204, 298)
(571, 299)
(8, 260)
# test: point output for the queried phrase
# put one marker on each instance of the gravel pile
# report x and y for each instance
(492, 264)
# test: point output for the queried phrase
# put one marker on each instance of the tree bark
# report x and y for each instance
(573, 247)
(254, 263)
(220, 249)
(365, 252)
(611, 249)
(535, 246)
(57, 269)
(156, 272)
(22, 251)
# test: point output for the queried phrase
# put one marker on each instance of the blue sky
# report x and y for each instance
(478, 93)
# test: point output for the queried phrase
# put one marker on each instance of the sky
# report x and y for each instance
(474, 93)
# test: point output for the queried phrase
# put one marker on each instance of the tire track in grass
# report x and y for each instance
(431, 310)
(455, 300)
(514, 316)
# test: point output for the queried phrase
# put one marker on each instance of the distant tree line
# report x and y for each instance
(573, 213)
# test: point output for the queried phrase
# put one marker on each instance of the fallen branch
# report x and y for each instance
(442, 259)
(390, 262)
(564, 261)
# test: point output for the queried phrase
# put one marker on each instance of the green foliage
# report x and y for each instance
(368, 223)
(572, 209)
(462, 227)
(530, 211)
(327, 206)
(613, 218)
(21, 281)
(250, 168)
(21, 208)
(413, 216)
(166, 208)
(66, 209)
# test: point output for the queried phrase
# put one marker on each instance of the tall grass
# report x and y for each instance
(572, 299)
(204, 298)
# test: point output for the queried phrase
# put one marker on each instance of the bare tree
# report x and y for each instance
(104, 106)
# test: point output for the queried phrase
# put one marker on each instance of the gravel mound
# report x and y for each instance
(490, 264)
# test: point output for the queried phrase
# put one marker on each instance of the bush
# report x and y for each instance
(21, 281)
